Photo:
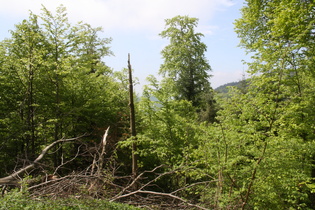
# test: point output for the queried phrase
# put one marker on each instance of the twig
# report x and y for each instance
(141, 189)
(158, 193)
(138, 177)
(76, 155)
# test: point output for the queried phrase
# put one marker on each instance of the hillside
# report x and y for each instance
(224, 89)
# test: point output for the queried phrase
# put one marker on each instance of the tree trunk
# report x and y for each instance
(132, 124)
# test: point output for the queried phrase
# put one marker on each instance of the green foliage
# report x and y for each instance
(252, 161)
(267, 132)
(184, 59)
(166, 132)
(18, 200)
(242, 85)
(257, 152)
(54, 84)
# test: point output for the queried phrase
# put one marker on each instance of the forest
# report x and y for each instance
(72, 130)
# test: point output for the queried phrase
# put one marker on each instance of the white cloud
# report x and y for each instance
(120, 14)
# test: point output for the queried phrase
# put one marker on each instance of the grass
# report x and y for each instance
(18, 200)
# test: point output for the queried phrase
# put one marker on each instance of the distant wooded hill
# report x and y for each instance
(224, 89)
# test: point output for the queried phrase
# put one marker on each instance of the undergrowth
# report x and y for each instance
(21, 200)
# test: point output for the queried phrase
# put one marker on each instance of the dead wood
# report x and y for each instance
(135, 156)
(14, 178)
(144, 196)
(99, 180)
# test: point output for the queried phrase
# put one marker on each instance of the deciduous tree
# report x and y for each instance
(54, 84)
(184, 59)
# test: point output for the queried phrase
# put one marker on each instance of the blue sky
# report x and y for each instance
(134, 26)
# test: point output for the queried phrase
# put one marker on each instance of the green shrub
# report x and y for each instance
(19, 200)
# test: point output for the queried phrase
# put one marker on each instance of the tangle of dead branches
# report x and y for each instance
(99, 180)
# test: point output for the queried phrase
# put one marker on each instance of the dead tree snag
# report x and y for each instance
(132, 124)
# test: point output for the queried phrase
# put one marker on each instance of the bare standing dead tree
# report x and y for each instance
(132, 125)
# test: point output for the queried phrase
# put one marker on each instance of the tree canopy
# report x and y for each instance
(184, 59)
(54, 84)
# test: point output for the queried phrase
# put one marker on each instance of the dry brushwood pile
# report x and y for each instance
(100, 180)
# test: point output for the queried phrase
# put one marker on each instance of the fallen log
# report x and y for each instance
(15, 178)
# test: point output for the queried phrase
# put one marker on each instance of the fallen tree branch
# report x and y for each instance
(137, 178)
(76, 155)
(127, 191)
(14, 177)
(71, 176)
(158, 193)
